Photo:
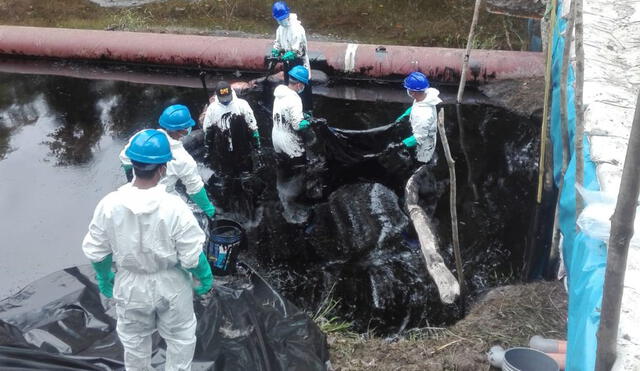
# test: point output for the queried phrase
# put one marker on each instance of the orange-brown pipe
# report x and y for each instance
(347, 60)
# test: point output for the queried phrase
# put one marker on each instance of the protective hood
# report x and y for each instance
(282, 91)
(431, 99)
(293, 19)
(141, 201)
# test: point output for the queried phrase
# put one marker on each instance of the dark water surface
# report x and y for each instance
(59, 141)
(59, 145)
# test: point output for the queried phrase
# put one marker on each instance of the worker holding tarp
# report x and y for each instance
(288, 124)
(422, 116)
(176, 123)
(155, 240)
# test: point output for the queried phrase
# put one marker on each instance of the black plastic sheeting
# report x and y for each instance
(60, 322)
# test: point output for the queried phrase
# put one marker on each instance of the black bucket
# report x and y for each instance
(226, 239)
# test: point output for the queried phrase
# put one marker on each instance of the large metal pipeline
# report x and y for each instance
(247, 54)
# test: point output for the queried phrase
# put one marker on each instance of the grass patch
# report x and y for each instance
(392, 22)
(507, 316)
(327, 319)
(130, 19)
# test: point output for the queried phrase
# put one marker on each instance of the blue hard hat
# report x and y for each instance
(280, 10)
(176, 117)
(300, 73)
(150, 147)
(416, 81)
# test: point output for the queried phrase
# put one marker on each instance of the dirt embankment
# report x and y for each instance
(399, 22)
(507, 316)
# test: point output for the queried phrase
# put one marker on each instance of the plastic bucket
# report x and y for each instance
(226, 239)
(527, 359)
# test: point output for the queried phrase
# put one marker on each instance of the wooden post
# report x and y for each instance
(579, 133)
(448, 288)
(452, 198)
(618, 249)
(547, 93)
(465, 61)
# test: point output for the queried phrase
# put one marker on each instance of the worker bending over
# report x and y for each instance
(422, 116)
(176, 122)
(290, 46)
(229, 124)
(155, 240)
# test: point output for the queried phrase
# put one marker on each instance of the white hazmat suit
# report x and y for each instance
(183, 167)
(219, 114)
(287, 114)
(153, 237)
(293, 38)
(424, 121)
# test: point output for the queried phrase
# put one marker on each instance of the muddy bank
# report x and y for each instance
(507, 316)
(422, 23)
(525, 97)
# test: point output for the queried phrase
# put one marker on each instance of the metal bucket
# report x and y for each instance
(527, 359)
(226, 239)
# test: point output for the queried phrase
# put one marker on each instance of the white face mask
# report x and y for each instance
(301, 89)
(409, 94)
(284, 22)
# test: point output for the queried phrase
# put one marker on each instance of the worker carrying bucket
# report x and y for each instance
(290, 47)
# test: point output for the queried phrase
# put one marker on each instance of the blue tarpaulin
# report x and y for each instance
(584, 257)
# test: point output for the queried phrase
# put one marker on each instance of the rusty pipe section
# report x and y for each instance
(341, 59)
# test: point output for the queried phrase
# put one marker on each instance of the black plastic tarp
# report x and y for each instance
(60, 322)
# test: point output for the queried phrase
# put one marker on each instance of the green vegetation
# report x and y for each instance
(400, 22)
(328, 321)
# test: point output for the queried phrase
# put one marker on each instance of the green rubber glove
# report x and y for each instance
(304, 124)
(275, 52)
(202, 200)
(289, 56)
(256, 136)
(405, 114)
(203, 273)
(410, 142)
(105, 276)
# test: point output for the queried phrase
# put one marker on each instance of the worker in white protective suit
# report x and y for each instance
(422, 116)
(155, 242)
(176, 122)
(288, 118)
(229, 125)
(288, 123)
(290, 46)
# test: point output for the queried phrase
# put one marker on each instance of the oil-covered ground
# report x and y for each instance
(396, 22)
(59, 139)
